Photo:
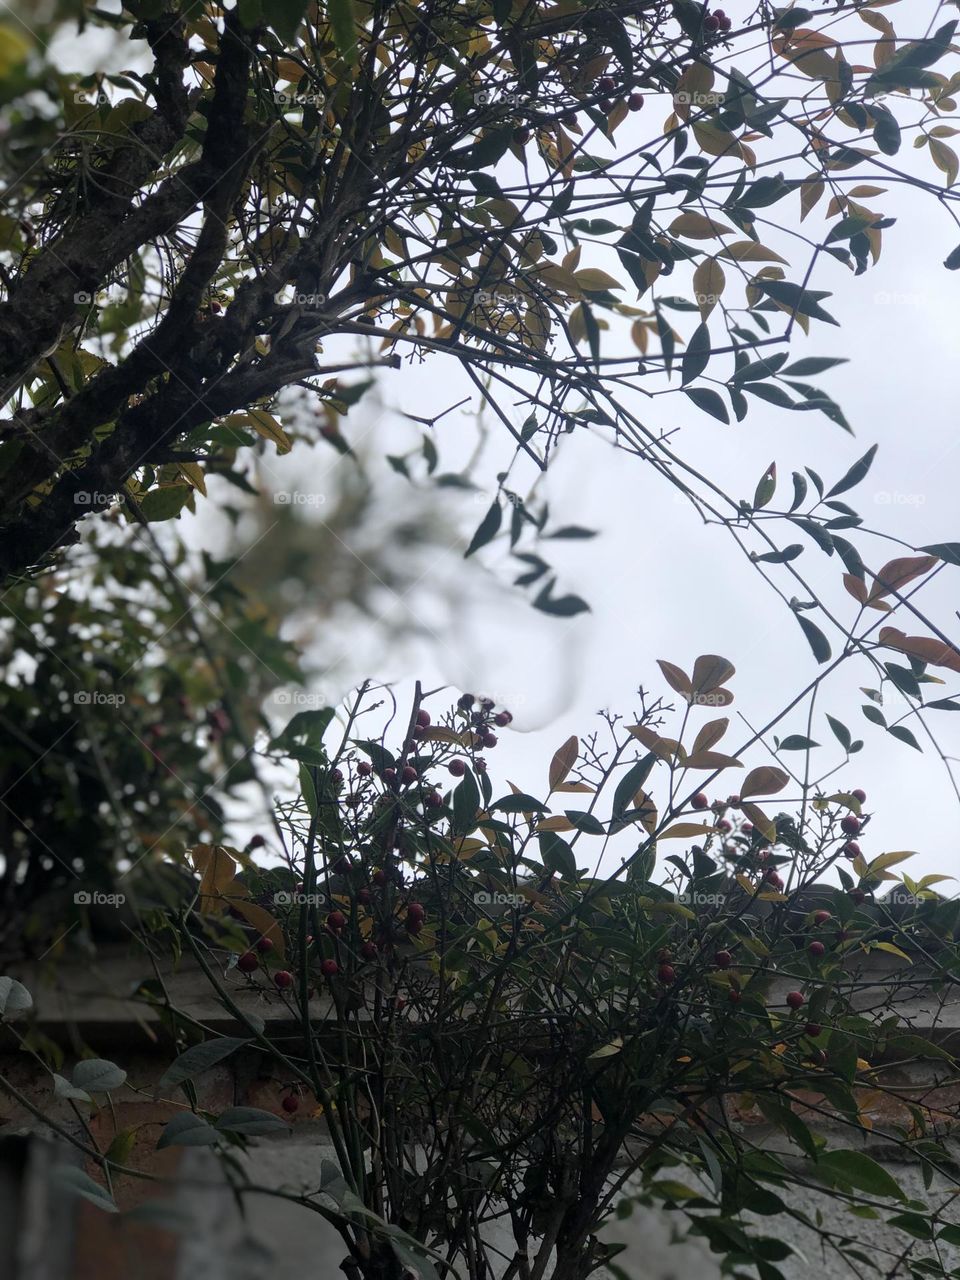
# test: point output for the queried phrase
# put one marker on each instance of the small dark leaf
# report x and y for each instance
(697, 355)
(709, 401)
(487, 529)
(817, 640)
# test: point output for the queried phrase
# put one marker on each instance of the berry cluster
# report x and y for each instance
(716, 21)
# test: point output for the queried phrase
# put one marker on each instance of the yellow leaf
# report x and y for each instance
(555, 824)
(217, 870)
(945, 158)
(892, 950)
(265, 425)
(886, 860)
(261, 920)
(714, 141)
(712, 760)
(686, 831)
(749, 251)
(766, 826)
(596, 281)
(708, 284)
(765, 781)
(695, 226)
(193, 472)
(810, 193)
(710, 734)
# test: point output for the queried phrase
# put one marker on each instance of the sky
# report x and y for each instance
(662, 585)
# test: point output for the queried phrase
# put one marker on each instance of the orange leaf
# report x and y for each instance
(895, 575)
(856, 587)
(677, 679)
(926, 648)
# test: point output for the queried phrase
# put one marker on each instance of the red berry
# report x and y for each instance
(700, 801)
(606, 84)
(354, 800)
(434, 800)
(329, 968)
(795, 999)
(723, 825)
(415, 911)
(733, 802)
(666, 973)
(368, 951)
(457, 767)
(336, 775)
(489, 740)
(635, 101)
(379, 878)
(364, 769)
(857, 896)
(812, 1029)
(710, 23)
(264, 945)
(746, 828)
(290, 1103)
(851, 850)
(859, 794)
(363, 897)
(725, 24)
(773, 879)
(465, 701)
(248, 962)
(423, 719)
(336, 920)
(821, 917)
(570, 119)
(413, 926)
(723, 959)
(720, 14)
(389, 775)
(409, 774)
(816, 949)
(502, 718)
(256, 842)
(283, 979)
(605, 105)
(734, 996)
(850, 825)
(480, 765)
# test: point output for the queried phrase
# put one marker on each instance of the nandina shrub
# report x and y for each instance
(513, 1031)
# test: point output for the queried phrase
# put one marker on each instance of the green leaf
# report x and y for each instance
(709, 401)
(559, 606)
(250, 1121)
(952, 260)
(779, 557)
(858, 1170)
(815, 638)
(557, 855)
(466, 802)
(197, 1059)
(187, 1130)
(812, 364)
(904, 735)
(697, 355)
(97, 1075)
(585, 822)
(74, 1181)
(886, 131)
(805, 302)
(14, 997)
(797, 742)
(949, 552)
(766, 487)
(487, 529)
(342, 20)
(855, 474)
(165, 502)
(630, 784)
(841, 732)
(519, 803)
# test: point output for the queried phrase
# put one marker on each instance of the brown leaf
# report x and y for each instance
(217, 871)
(710, 671)
(765, 781)
(559, 823)
(648, 811)
(895, 575)
(925, 648)
(712, 760)
(563, 761)
(676, 678)
(856, 587)
(710, 734)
